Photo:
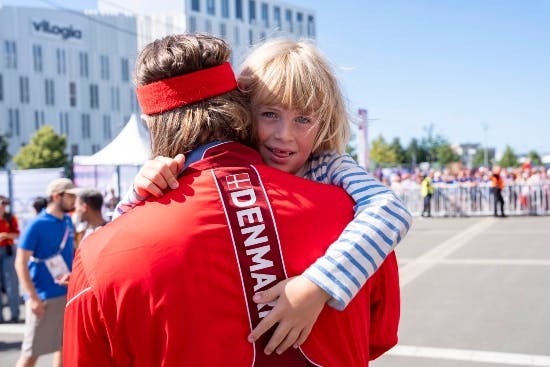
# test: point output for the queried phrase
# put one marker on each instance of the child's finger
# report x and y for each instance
(271, 294)
(281, 332)
(170, 169)
(302, 338)
(267, 322)
(290, 339)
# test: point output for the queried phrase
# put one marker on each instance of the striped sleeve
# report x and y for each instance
(380, 223)
(128, 202)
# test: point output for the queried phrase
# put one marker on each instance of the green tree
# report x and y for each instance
(509, 158)
(535, 158)
(446, 155)
(415, 153)
(399, 151)
(45, 150)
(4, 155)
(478, 160)
(382, 153)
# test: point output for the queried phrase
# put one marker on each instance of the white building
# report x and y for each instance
(73, 70)
(240, 22)
(69, 70)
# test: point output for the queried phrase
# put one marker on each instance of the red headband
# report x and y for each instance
(168, 94)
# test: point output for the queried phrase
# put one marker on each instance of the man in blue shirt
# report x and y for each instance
(43, 263)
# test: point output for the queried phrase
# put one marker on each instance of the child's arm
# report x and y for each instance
(153, 178)
(381, 221)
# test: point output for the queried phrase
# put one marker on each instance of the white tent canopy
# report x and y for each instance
(130, 147)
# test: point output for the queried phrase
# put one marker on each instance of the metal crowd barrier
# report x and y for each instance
(455, 200)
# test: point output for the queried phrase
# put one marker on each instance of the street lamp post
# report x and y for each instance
(485, 151)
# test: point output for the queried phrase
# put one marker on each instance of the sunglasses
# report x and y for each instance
(5, 203)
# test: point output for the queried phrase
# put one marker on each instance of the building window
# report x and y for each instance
(107, 127)
(124, 70)
(265, 15)
(49, 92)
(210, 7)
(133, 101)
(13, 122)
(300, 23)
(288, 18)
(38, 119)
(208, 26)
(64, 123)
(24, 96)
(61, 61)
(72, 94)
(11, 54)
(115, 99)
(195, 5)
(104, 67)
(85, 126)
(223, 31)
(239, 9)
(74, 149)
(225, 9)
(1, 87)
(83, 58)
(237, 36)
(192, 24)
(277, 16)
(252, 11)
(95, 148)
(94, 96)
(37, 58)
(311, 26)
(250, 37)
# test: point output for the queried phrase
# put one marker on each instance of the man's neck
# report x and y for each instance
(95, 220)
(53, 209)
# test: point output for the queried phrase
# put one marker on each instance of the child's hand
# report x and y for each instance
(158, 174)
(299, 302)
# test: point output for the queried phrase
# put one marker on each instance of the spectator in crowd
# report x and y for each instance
(427, 193)
(39, 203)
(87, 216)
(9, 231)
(43, 264)
(497, 185)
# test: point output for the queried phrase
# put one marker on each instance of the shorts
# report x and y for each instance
(44, 336)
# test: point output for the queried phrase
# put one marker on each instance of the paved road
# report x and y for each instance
(475, 293)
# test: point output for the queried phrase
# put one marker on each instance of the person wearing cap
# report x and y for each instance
(9, 231)
(171, 283)
(43, 263)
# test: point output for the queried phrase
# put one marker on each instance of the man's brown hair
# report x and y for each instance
(224, 117)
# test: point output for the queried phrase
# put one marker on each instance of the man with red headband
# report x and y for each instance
(171, 282)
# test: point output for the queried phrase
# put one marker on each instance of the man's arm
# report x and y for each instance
(21, 260)
(385, 308)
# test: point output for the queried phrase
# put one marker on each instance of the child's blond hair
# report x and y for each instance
(294, 75)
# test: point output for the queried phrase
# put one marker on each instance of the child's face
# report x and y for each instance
(285, 137)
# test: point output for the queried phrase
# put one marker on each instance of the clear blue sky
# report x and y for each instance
(455, 64)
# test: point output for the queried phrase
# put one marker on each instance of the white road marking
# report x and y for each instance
(470, 355)
(467, 261)
(412, 270)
